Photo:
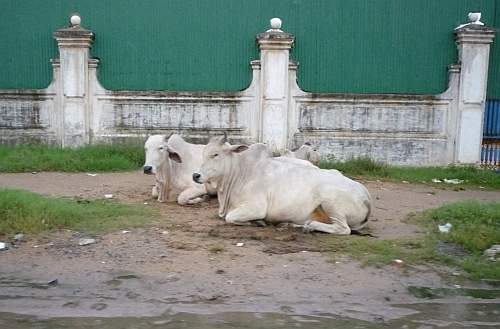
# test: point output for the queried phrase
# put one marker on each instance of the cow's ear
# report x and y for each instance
(174, 156)
(238, 148)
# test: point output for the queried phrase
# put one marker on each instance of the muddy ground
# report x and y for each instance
(170, 266)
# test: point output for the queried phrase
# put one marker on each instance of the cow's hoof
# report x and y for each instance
(260, 223)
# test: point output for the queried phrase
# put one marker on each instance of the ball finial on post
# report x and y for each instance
(275, 23)
(75, 20)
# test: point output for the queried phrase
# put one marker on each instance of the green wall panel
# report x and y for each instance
(361, 46)
(494, 76)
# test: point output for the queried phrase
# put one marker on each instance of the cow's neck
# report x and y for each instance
(232, 183)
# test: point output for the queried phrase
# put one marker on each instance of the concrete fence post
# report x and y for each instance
(473, 42)
(72, 87)
(274, 47)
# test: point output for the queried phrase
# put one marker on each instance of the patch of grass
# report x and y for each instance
(28, 212)
(100, 158)
(475, 228)
(379, 252)
(365, 167)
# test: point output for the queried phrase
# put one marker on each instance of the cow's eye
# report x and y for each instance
(215, 155)
(160, 148)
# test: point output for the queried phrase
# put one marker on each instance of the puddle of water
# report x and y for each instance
(9, 282)
(191, 321)
(429, 315)
(453, 315)
(435, 293)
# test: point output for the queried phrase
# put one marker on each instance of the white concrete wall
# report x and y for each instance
(398, 129)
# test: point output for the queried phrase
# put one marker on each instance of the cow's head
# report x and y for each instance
(217, 157)
(157, 152)
(310, 153)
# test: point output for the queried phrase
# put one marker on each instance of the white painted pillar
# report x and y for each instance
(74, 43)
(473, 42)
(274, 47)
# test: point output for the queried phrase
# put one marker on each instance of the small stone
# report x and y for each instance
(492, 252)
(240, 244)
(220, 272)
(34, 172)
(53, 282)
(125, 232)
(85, 242)
(19, 237)
(3, 246)
(108, 196)
(92, 175)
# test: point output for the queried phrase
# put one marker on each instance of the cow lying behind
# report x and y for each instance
(253, 186)
(305, 152)
(173, 161)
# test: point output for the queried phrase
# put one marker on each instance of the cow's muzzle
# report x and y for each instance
(148, 170)
(197, 178)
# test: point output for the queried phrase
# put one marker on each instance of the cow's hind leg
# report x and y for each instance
(323, 221)
(337, 226)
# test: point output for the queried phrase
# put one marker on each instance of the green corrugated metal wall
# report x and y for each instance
(360, 46)
(494, 74)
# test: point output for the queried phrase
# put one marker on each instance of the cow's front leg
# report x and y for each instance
(154, 191)
(245, 215)
(192, 196)
(160, 188)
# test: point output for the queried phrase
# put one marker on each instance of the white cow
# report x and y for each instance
(253, 186)
(305, 152)
(173, 160)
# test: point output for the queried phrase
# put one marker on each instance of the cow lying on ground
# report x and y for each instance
(173, 161)
(305, 152)
(253, 186)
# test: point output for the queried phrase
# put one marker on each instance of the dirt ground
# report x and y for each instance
(171, 266)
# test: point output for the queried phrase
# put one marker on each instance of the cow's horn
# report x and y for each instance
(168, 137)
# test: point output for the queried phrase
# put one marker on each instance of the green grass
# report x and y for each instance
(367, 168)
(475, 228)
(28, 212)
(100, 158)
(378, 252)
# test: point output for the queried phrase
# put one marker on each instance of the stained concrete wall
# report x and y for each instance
(398, 129)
